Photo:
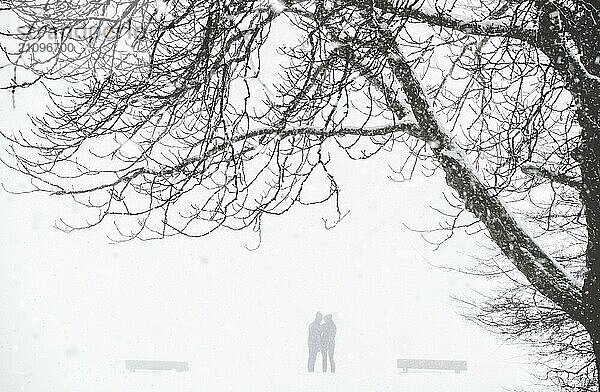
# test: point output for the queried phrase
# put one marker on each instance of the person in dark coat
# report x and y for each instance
(328, 342)
(314, 341)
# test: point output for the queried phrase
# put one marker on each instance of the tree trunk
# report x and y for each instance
(581, 72)
(596, 342)
(589, 158)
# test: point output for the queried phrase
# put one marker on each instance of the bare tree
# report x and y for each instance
(174, 121)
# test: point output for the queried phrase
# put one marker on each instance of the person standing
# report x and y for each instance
(314, 341)
(328, 342)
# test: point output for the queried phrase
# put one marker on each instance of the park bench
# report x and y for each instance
(429, 364)
(133, 365)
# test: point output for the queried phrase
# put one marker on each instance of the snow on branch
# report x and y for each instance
(493, 27)
(251, 140)
(536, 170)
(540, 269)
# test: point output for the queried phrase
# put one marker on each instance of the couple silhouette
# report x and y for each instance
(321, 338)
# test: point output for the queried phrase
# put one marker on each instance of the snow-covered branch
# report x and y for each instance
(251, 139)
(540, 269)
(493, 27)
(536, 170)
(514, 241)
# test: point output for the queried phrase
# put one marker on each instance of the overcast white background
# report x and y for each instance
(74, 306)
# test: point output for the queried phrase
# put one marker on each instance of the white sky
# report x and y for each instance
(75, 305)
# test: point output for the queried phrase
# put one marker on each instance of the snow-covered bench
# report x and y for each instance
(432, 364)
(133, 365)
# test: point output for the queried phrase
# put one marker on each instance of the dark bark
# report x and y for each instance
(580, 71)
(589, 157)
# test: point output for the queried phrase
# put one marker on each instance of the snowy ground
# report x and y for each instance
(302, 382)
(349, 379)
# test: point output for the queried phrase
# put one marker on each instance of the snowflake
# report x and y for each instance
(434, 144)
(394, 57)
(161, 7)
(277, 6)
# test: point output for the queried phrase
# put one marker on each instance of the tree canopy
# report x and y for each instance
(182, 117)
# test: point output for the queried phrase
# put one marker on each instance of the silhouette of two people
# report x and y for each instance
(321, 338)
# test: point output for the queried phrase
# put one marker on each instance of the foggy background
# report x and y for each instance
(75, 306)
